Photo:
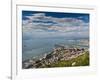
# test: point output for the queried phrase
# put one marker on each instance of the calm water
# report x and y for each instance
(38, 47)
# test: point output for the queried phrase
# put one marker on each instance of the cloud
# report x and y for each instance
(39, 24)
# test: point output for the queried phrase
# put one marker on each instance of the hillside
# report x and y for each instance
(60, 57)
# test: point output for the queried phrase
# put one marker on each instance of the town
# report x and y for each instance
(59, 53)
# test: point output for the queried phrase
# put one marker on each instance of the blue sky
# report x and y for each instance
(54, 24)
(84, 17)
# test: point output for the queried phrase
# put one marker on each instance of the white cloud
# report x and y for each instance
(39, 24)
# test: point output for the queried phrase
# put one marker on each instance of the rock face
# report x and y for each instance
(58, 54)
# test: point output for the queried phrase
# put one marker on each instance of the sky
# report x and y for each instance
(37, 24)
(42, 30)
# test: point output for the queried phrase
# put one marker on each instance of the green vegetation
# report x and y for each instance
(82, 60)
(60, 57)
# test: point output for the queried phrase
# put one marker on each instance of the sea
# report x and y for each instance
(36, 48)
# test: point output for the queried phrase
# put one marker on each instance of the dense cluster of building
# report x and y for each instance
(59, 53)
